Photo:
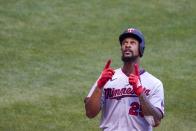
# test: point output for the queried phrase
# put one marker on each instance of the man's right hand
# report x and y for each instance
(106, 75)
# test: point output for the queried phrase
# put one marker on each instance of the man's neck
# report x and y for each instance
(128, 67)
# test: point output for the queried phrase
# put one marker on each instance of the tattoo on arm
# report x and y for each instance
(149, 110)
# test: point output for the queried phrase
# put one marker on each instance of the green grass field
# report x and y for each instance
(51, 52)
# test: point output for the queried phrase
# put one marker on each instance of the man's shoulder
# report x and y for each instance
(118, 71)
(151, 78)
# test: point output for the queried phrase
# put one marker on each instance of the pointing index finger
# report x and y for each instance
(107, 64)
(136, 68)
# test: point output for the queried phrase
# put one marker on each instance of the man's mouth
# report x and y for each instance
(127, 52)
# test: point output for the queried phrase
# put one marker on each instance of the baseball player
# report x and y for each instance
(130, 98)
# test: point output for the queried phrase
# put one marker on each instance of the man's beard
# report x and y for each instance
(128, 59)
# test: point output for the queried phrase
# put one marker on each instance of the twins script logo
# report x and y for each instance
(112, 93)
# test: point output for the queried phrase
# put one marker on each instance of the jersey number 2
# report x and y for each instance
(135, 109)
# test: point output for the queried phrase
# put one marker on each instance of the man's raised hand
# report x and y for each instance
(106, 75)
(134, 80)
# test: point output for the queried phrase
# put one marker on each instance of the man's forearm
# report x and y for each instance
(93, 104)
(149, 110)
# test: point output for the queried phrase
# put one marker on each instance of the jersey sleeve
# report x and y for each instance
(92, 89)
(157, 98)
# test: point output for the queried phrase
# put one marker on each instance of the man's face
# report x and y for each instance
(129, 49)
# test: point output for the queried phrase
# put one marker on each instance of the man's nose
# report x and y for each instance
(128, 45)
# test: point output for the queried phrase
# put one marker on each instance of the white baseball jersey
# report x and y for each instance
(121, 109)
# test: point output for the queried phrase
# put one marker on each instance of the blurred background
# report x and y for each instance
(51, 52)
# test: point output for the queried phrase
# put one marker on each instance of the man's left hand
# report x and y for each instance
(134, 80)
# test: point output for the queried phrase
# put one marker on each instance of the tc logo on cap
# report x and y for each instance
(130, 30)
